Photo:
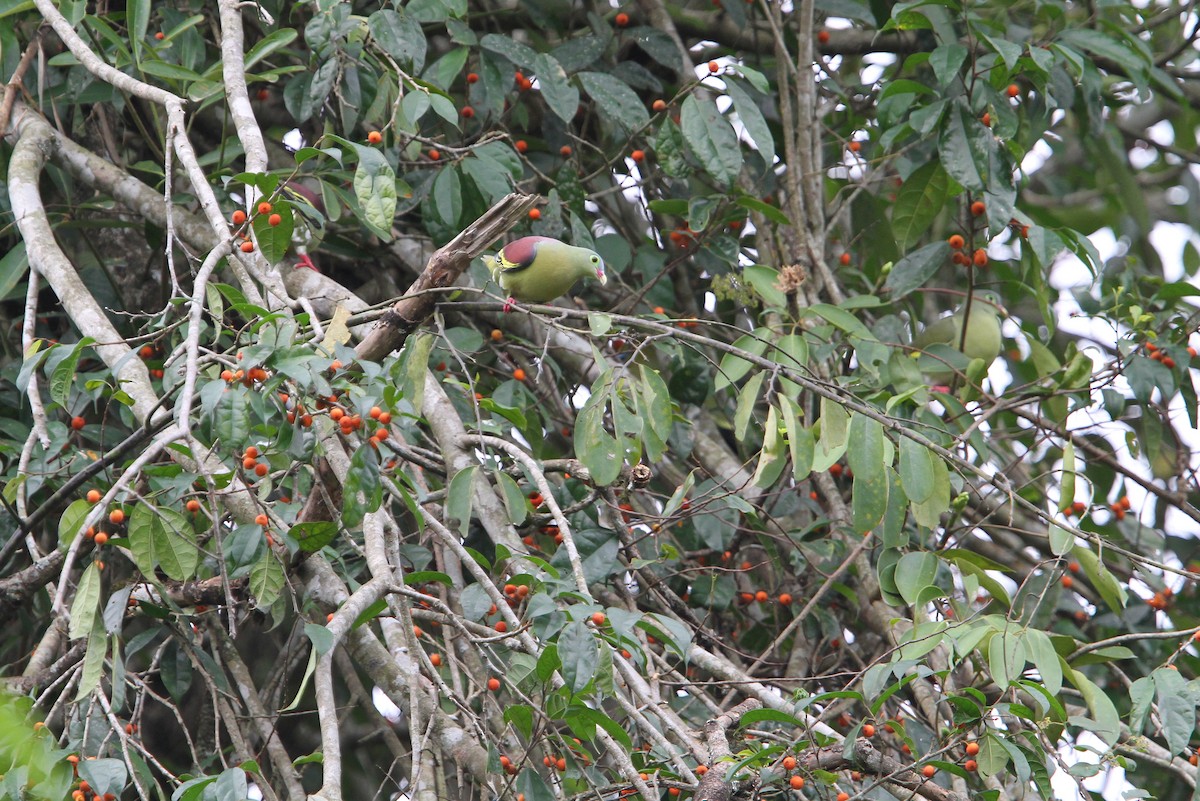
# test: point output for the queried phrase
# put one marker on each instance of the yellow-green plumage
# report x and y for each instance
(537, 269)
(983, 340)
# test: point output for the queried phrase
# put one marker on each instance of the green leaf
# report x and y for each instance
(560, 95)
(918, 203)
(363, 490)
(447, 196)
(619, 103)
(962, 148)
(915, 572)
(72, 521)
(375, 190)
(13, 266)
(915, 269)
(752, 118)
(765, 281)
(1107, 723)
(1176, 708)
(1040, 650)
(400, 35)
(597, 449)
(947, 59)
(459, 497)
(514, 51)
(916, 470)
(711, 139)
(747, 399)
(733, 367)
(274, 240)
(266, 580)
(577, 649)
(1006, 656)
(161, 539)
(63, 376)
(86, 603)
(1061, 540)
(313, 535)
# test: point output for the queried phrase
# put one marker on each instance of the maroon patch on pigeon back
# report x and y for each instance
(521, 252)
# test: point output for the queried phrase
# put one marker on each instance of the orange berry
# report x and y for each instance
(561, 764)
(638, 155)
(94, 496)
(673, 791)
(1168, 362)
(622, 20)
(239, 217)
(928, 771)
(1067, 582)
(193, 505)
(467, 112)
(375, 412)
(868, 730)
(247, 247)
(978, 208)
(565, 151)
(501, 627)
(434, 155)
(986, 119)
(970, 766)
(844, 259)
(374, 137)
(77, 423)
(160, 36)
(251, 451)
(100, 538)
(249, 463)
(519, 374)
(521, 145)
(598, 618)
(797, 782)
(714, 67)
(472, 77)
(659, 105)
(761, 596)
(785, 599)
(789, 763)
(116, 517)
(274, 220)
(854, 146)
(823, 36)
(972, 748)
(1191, 352)
(535, 214)
(1013, 90)
(980, 258)
(1073, 567)
(843, 796)
(701, 770)
(261, 469)
(262, 520)
(956, 241)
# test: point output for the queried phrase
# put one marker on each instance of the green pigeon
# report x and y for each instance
(983, 340)
(538, 269)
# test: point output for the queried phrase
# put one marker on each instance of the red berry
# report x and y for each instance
(622, 20)
(1013, 90)
(160, 36)
(714, 66)
(468, 112)
(844, 259)
(247, 247)
(535, 214)
(521, 145)
(978, 208)
(374, 137)
(493, 684)
(638, 155)
(434, 155)
(659, 105)
(472, 77)
(78, 423)
(823, 36)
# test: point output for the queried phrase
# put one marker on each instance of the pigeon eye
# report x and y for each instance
(595, 259)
